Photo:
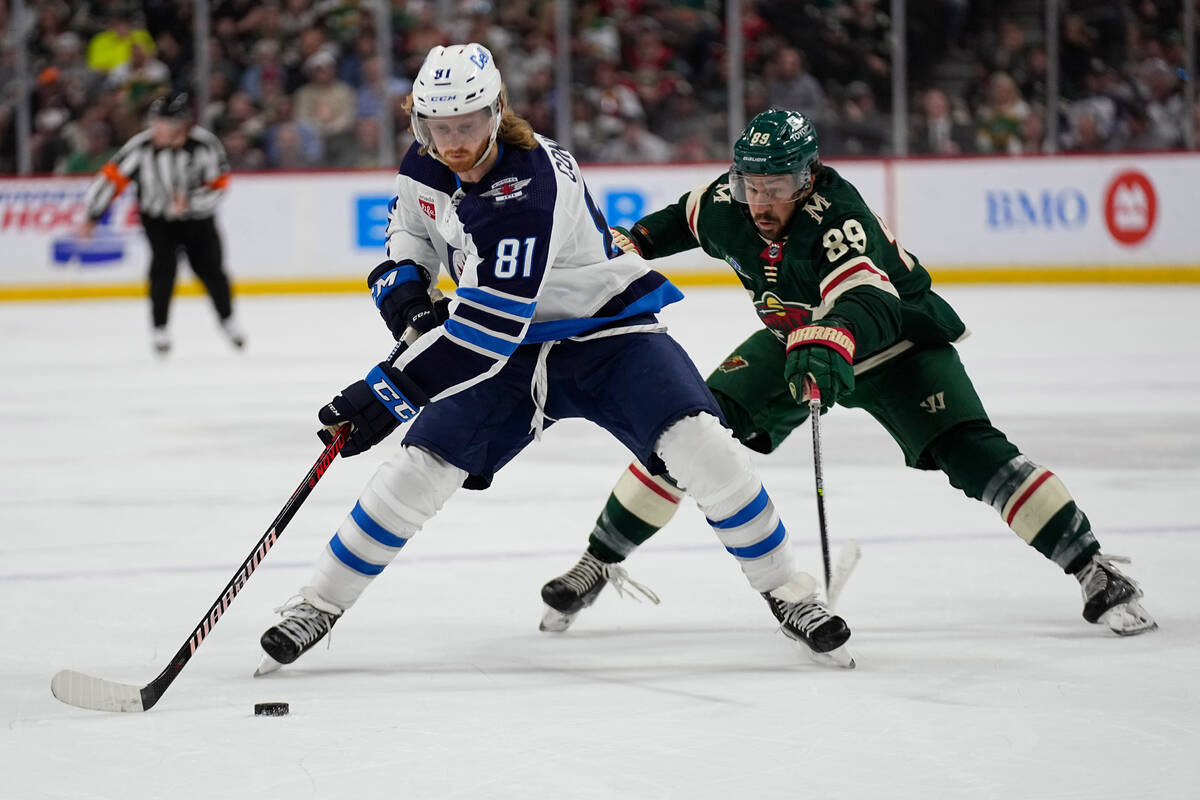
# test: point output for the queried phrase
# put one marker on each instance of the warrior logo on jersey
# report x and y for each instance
(772, 255)
(733, 363)
(427, 207)
(782, 318)
(507, 189)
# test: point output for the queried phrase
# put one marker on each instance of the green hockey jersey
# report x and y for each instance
(838, 259)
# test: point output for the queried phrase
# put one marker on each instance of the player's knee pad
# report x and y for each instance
(402, 496)
(708, 463)
(716, 471)
(408, 490)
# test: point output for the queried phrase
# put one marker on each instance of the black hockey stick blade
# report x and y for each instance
(98, 694)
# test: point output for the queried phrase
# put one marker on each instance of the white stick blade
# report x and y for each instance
(97, 694)
(847, 559)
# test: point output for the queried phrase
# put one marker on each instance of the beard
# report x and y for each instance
(461, 159)
(767, 224)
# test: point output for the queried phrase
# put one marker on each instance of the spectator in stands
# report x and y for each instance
(113, 46)
(265, 71)
(941, 130)
(241, 114)
(293, 146)
(366, 143)
(328, 105)
(863, 129)
(635, 144)
(1077, 50)
(96, 151)
(999, 122)
(613, 100)
(243, 155)
(790, 85)
(376, 95)
(1089, 132)
(1165, 106)
(1033, 132)
(141, 78)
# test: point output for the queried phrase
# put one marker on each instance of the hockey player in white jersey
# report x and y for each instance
(549, 320)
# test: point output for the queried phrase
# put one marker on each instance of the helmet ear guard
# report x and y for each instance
(775, 143)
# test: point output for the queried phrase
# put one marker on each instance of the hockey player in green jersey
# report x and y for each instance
(844, 303)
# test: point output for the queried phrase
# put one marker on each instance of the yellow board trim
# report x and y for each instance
(1182, 273)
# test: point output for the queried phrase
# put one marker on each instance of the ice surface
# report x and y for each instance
(133, 487)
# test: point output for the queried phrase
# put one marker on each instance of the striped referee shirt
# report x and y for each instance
(199, 171)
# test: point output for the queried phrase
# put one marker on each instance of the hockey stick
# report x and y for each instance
(848, 555)
(99, 694)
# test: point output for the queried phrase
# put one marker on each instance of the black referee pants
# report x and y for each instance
(202, 244)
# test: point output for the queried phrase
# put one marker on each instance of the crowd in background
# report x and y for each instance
(296, 84)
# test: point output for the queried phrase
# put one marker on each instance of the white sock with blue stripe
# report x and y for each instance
(400, 498)
(716, 471)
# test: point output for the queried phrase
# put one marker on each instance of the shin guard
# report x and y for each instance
(717, 472)
(402, 496)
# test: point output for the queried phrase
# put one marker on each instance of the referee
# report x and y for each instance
(181, 173)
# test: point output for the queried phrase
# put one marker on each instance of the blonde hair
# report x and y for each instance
(513, 129)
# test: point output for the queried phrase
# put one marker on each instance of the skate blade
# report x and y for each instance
(1128, 619)
(839, 657)
(266, 666)
(554, 621)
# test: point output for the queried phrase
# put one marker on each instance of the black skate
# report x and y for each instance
(233, 333)
(1111, 598)
(161, 341)
(578, 587)
(803, 618)
(306, 620)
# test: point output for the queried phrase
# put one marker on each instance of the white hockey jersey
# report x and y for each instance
(529, 251)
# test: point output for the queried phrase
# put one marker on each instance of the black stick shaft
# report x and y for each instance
(814, 414)
(152, 691)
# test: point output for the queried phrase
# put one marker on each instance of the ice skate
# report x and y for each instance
(578, 587)
(805, 619)
(306, 620)
(233, 333)
(1111, 598)
(161, 341)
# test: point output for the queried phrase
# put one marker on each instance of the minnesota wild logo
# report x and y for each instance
(734, 362)
(782, 318)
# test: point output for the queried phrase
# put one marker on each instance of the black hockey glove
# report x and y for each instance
(374, 407)
(401, 293)
(824, 350)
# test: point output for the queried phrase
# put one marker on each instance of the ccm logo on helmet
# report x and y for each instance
(443, 98)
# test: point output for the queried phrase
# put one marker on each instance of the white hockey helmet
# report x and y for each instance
(455, 80)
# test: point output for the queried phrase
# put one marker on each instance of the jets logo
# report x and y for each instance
(733, 363)
(507, 189)
(782, 318)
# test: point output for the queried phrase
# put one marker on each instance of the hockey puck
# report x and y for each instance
(270, 709)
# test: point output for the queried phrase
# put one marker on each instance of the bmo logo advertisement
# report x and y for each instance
(1130, 207)
(1083, 213)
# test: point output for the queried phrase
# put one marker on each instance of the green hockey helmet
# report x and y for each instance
(775, 143)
